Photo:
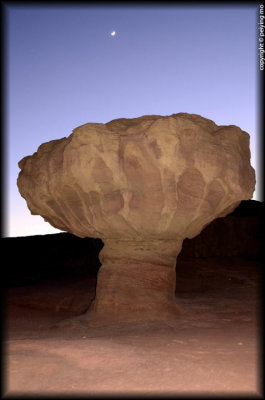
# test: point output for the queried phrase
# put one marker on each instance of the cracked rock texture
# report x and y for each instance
(153, 179)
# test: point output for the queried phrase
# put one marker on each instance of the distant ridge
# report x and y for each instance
(248, 208)
(32, 259)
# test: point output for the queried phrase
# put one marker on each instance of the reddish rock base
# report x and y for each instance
(136, 281)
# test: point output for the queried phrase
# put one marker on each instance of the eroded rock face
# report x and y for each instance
(137, 280)
(152, 179)
(148, 177)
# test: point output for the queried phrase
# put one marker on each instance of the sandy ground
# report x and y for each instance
(213, 348)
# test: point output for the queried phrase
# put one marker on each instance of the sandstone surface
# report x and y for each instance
(148, 177)
(142, 185)
(66, 257)
(213, 347)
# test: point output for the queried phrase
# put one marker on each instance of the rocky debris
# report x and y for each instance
(74, 296)
(142, 185)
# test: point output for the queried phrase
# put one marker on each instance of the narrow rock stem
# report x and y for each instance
(137, 280)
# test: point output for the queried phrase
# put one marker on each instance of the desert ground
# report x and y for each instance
(212, 348)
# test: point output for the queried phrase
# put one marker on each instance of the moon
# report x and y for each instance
(113, 33)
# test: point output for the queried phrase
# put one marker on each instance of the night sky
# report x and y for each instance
(65, 69)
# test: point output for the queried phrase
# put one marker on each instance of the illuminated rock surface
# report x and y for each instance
(142, 185)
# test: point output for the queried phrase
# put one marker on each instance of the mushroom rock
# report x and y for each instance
(142, 185)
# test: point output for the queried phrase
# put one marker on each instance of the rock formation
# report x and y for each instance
(66, 257)
(233, 235)
(142, 185)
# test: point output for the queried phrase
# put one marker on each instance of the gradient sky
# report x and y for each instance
(64, 69)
